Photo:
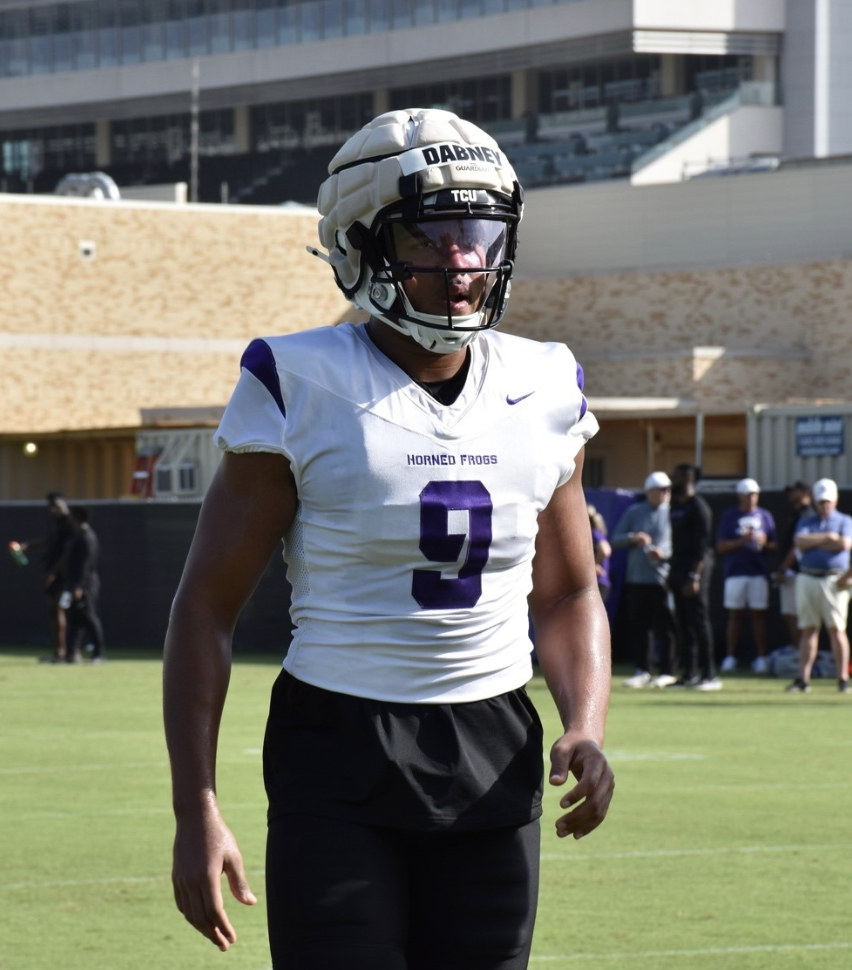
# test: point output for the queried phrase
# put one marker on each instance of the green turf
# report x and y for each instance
(727, 844)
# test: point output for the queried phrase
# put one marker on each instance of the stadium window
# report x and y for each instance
(13, 43)
(63, 47)
(84, 36)
(447, 10)
(470, 8)
(379, 15)
(265, 23)
(424, 12)
(107, 34)
(128, 31)
(243, 21)
(196, 28)
(309, 21)
(288, 22)
(41, 40)
(154, 18)
(219, 26)
(493, 6)
(217, 132)
(175, 36)
(332, 18)
(400, 14)
(356, 17)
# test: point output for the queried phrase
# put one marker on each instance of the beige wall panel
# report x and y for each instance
(98, 390)
(170, 271)
(784, 330)
(157, 318)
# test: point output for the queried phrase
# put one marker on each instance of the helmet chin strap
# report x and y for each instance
(436, 341)
(377, 299)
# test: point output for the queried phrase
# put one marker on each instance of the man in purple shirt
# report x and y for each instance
(822, 587)
(746, 534)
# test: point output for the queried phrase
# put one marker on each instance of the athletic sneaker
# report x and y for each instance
(729, 664)
(709, 683)
(760, 665)
(640, 679)
(843, 686)
(664, 680)
(798, 687)
(685, 682)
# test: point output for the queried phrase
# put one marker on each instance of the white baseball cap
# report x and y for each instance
(657, 480)
(748, 486)
(825, 490)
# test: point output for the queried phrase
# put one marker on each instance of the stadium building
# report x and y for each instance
(686, 227)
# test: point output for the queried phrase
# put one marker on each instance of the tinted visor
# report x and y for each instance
(466, 243)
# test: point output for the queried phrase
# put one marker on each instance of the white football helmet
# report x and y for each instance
(419, 219)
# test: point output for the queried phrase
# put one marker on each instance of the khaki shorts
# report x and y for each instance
(819, 601)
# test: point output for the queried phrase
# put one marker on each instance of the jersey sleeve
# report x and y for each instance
(256, 417)
(584, 424)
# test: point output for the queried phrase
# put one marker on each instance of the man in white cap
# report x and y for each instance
(822, 589)
(744, 537)
(645, 531)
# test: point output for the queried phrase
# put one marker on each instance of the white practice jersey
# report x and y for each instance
(410, 555)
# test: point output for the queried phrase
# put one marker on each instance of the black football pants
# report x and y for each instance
(345, 896)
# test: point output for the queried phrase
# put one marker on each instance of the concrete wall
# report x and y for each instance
(817, 77)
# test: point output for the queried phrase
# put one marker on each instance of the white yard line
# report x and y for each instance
(710, 851)
(698, 952)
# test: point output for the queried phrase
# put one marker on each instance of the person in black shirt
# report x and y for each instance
(55, 545)
(82, 588)
(689, 579)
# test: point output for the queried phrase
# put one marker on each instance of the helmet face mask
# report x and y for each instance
(435, 259)
(447, 270)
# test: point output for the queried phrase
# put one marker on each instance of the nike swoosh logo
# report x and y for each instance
(517, 400)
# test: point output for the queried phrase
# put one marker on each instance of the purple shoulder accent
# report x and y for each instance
(581, 380)
(258, 360)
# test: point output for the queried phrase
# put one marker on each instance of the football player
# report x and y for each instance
(424, 473)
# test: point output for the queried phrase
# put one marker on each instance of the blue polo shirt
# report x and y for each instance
(824, 559)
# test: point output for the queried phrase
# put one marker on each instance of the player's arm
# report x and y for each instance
(573, 649)
(250, 505)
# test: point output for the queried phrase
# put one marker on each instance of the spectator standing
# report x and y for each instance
(55, 545)
(822, 588)
(645, 531)
(424, 472)
(602, 550)
(745, 537)
(799, 497)
(689, 580)
(82, 589)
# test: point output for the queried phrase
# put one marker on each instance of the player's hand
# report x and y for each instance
(204, 849)
(589, 799)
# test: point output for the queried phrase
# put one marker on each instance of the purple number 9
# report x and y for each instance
(438, 544)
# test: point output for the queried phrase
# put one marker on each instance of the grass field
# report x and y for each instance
(727, 846)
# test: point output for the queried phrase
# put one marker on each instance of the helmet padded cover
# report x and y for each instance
(360, 192)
